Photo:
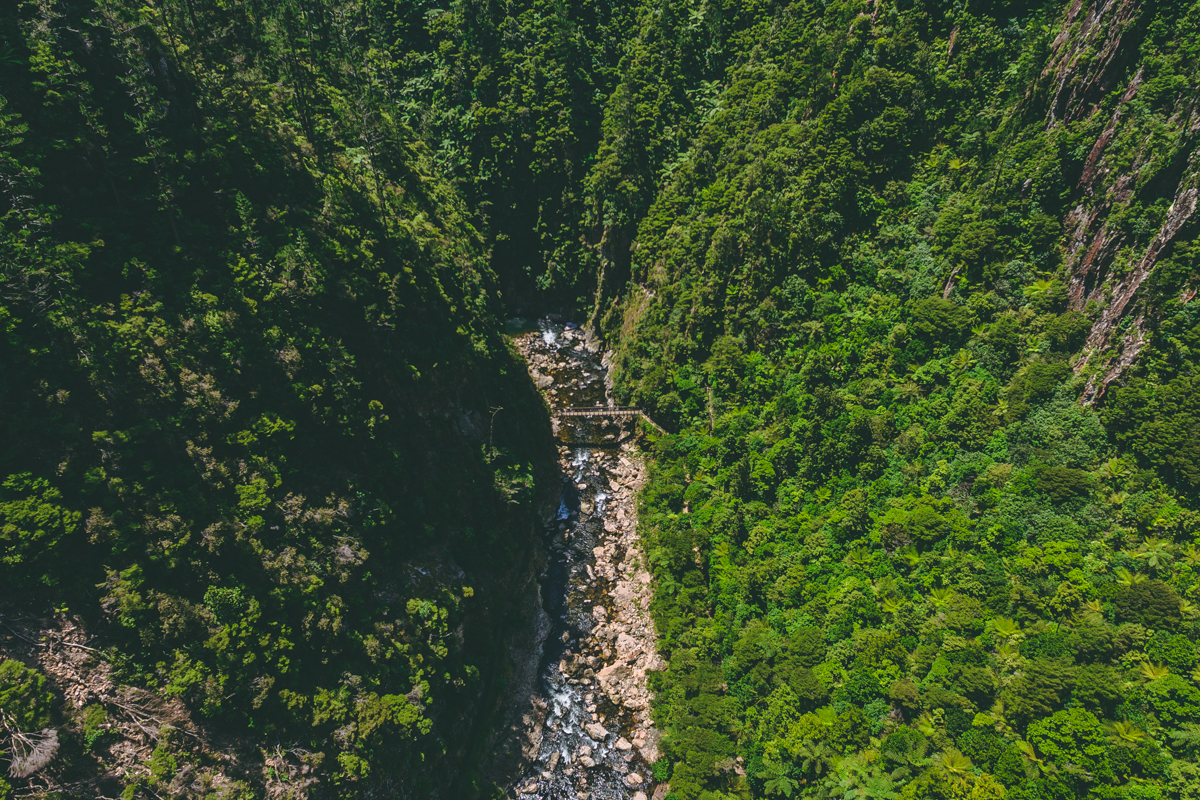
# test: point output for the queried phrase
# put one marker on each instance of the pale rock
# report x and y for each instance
(649, 750)
(623, 685)
(623, 744)
(633, 779)
(596, 730)
(627, 646)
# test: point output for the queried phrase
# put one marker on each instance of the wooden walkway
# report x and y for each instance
(603, 411)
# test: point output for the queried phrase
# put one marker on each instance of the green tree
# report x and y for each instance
(25, 698)
(1072, 737)
(34, 527)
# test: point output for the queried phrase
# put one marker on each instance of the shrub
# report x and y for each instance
(808, 688)
(860, 687)
(938, 318)
(1067, 332)
(33, 529)
(983, 746)
(24, 695)
(95, 724)
(1174, 650)
(1050, 644)
(1161, 424)
(1072, 736)
(1034, 384)
(1098, 687)
(1063, 483)
(808, 646)
(1150, 603)
(850, 731)
(1011, 767)
(226, 604)
(921, 521)
(904, 693)
(1173, 700)
(1040, 690)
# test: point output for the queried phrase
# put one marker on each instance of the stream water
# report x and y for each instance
(592, 744)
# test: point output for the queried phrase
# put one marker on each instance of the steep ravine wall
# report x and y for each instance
(255, 377)
(1037, 216)
(1090, 62)
(498, 633)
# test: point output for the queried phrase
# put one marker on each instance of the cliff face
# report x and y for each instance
(1082, 80)
(1133, 163)
(264, 451)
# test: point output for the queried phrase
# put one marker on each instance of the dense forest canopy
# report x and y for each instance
(917, 299)
(911, 281)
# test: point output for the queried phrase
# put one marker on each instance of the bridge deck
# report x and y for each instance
(602, 411)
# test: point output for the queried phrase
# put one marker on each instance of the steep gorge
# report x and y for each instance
(910, 282)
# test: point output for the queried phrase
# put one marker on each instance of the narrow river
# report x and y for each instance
(595, 739)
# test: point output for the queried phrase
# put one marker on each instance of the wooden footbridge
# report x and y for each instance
(609, 411)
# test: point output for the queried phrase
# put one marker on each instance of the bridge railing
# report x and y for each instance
(610, 411)
(600, 412)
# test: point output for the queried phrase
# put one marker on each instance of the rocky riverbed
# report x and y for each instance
(587, 731)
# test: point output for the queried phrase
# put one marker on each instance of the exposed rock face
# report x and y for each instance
(1098, 39)
(1180, 212)
(1087, 55)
